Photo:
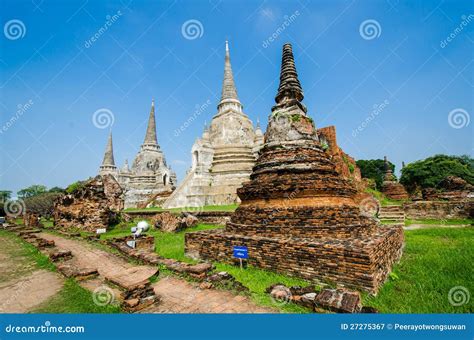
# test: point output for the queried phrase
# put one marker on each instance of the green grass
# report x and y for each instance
(72, 298)
(29, 251)
(440, 222)
(258, 280)
(168, 245)
(230, 207)
(434, 261)
(384, 201)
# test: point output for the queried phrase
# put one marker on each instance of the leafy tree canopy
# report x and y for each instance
(374, 169)
(42, 204)
(31, 191)
(430, 172)
(5, 195)
(56, 189)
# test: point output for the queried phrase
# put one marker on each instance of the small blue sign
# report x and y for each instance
(241, 252)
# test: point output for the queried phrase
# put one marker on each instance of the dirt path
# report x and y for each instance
(22, 286)
(180, 296)
(177, 295)
(107, 264)
(428, 226)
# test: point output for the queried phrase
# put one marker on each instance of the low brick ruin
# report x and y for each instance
(439, 210)
(298, 214)
(391, 187)
(95, 204)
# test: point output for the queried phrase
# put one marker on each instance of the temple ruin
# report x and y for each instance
(298, 214)
(390, 186)
(150, 180)
(224, 156)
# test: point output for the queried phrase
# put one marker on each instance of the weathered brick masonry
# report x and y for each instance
(298, 214)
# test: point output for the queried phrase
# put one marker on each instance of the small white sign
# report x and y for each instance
(131, 244)
(101, 231)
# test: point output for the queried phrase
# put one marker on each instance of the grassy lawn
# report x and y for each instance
(441, 222)
(72, 298)
(434, 261)
(384, 201)
(258, 280)
(230, 208)
(169, 245)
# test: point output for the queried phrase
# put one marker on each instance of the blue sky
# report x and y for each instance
(351, 56)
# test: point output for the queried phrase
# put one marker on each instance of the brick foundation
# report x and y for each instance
(358, 263)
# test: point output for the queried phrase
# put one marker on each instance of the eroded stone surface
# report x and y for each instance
(96, 204)
(339, 301)
(179, 296)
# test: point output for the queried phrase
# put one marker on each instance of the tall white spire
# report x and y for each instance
(229, 96)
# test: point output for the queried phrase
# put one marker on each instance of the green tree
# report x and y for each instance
(374, 169)
(5, 195)
(42, 204)
(31, 191)
(430, 172)
(56, 189)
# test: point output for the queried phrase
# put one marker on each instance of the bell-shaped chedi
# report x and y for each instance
(298, 214)
(390, 186)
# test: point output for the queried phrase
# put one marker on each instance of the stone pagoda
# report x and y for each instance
(222, 159)
(390, 186)
(298, 215)
(150, 180)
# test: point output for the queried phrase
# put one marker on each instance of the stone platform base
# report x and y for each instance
(362, 263)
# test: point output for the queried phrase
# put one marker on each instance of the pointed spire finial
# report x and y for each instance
(109, 153)
(289, 91)
(229, 92)
(150, 137)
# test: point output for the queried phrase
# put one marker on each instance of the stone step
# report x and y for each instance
(392, 209)
(389, 215)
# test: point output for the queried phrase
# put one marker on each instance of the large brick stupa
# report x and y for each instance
(298, 215)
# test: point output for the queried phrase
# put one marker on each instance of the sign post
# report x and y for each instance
(240, 252)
